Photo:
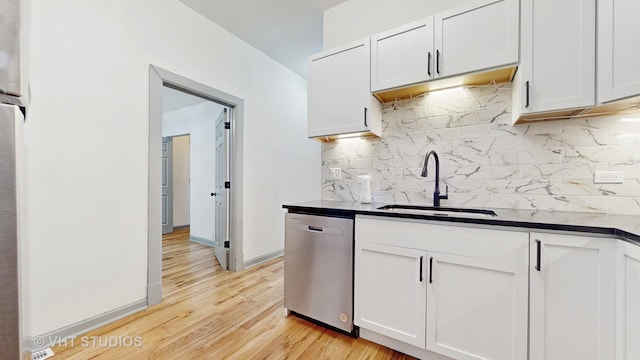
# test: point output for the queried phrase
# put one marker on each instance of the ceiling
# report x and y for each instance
(286, 30)
(174, 100)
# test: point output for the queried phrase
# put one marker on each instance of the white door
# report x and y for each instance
(558, 68)
(402, 56)
(572, 306)
(167, 185)
(221, 193)
(618, 52)
(628, 301)
(479, 36)
(391, 291)
(476, 308)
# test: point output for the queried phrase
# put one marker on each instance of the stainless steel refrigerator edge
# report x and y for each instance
(11, 91)
(318, 268)
(10, 334)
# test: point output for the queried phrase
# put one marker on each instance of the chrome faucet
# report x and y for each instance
(436, 192)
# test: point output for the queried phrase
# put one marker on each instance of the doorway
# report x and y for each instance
(176, 181)
(205, 123)
(232, 172)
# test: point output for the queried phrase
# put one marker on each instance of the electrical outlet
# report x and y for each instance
(336, 173)
(608, 177)
(42, 354)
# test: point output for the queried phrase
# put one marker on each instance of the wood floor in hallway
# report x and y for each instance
(208, 313)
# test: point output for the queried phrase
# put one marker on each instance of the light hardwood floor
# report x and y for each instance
(208, 313)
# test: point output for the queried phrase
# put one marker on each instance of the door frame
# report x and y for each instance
(158, 78)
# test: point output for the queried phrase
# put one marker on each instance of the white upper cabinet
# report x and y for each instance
(572, 302)
(402, 56)
(618, 50)
(339, 94)
(478, 36)
(557, 66)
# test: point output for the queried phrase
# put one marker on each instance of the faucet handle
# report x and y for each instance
(446, 193)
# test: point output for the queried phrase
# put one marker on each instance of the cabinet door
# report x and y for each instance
(479, 36)
(402, 56)
(476, 308)
(572, 306)
(618, 51)
(558, 67)
(628, 302)
(390, 291)
(339, 91)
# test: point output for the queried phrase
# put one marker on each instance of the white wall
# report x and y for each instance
(86, 146)
(199, 121)
(355, 19)
(181, 178)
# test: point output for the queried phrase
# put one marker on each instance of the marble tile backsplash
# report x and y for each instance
(487, 162)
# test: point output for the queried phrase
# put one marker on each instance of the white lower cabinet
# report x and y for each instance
(572, 301)
(458, 292)
(476, 308)
(391, 291)
(628, 301)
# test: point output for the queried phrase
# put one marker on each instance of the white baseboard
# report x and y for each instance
(36, 343)
(202, 241)
(400, 346)
(260, 259)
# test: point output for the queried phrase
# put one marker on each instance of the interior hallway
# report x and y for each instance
(208, 313)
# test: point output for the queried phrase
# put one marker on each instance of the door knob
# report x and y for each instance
(213, 194)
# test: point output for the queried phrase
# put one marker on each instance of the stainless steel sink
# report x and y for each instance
(439, 211)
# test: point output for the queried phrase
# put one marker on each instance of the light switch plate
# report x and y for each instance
(608, 177)
(336, 173)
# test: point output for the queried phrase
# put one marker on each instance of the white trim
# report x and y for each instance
(400, 346)
(37, 343)
(260, 259)
(202, 241)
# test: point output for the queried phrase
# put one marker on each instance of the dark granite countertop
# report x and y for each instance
(625, 227)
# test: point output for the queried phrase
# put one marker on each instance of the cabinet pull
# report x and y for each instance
(431, 270)
(526, 85)
(539, 256)
(429, 63)
(421, 258)
(365, 117)
(438, 61)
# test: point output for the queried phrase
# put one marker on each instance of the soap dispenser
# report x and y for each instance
(365, 188)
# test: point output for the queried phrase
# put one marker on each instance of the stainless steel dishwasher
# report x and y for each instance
(318, 268)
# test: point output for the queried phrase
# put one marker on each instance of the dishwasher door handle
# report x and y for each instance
(318, 229)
